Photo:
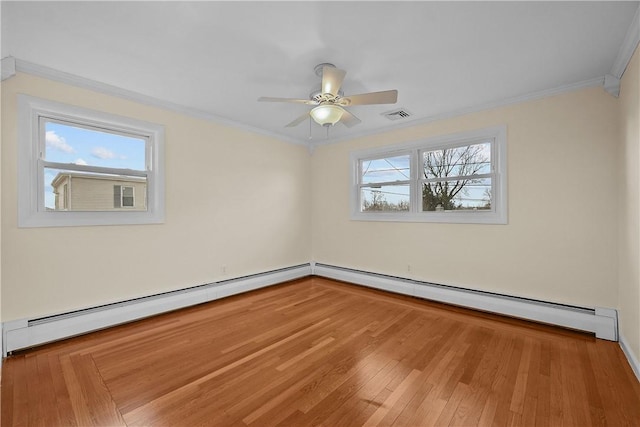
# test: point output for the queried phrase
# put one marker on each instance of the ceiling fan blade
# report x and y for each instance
(299, 120)
(349, 120)
(294, 100)
(384, 97)
(332, 79)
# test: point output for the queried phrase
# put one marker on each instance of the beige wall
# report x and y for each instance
(561, 241)
(233, 199)
(256, 198)
(1, 144)
(629, 212)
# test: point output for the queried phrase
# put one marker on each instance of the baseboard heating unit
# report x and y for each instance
(24, 333)
(603, 322)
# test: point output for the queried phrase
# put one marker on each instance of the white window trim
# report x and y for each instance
(31, 211)
(498, 213)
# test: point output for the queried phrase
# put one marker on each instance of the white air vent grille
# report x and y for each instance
(397, 114)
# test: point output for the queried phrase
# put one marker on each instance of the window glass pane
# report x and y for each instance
(127, 191)
(386, 198)
(84, 191)
(463, 194)
(458, 161)
(127, 197)
(117, 196)
(65, 143)
(389, 169)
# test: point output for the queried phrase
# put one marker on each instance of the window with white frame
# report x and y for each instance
(123, 197)
(83, 167)
(457, 178)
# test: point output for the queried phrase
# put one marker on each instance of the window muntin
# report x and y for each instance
(454, 178)
(70, 158)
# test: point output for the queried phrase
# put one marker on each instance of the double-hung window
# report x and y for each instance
(82, 167)
(457, 178)
(123, 197)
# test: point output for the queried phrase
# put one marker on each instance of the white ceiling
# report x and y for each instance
(217, 58)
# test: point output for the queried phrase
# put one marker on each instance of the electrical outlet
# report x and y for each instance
(224, 269)
(408, 268)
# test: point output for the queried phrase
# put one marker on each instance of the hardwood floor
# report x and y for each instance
(319, 352)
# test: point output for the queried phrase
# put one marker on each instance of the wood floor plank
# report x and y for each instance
(319, 352)
(365, 400)
(61, 392)
(133, 415)
(8, 391)
(388, 404)
(48, 402)
(471, 408)
(543, 407)
(519, 388)
(31, 384)
(79, 401)
(431, 405)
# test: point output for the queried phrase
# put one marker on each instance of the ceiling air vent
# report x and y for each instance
(397, 114)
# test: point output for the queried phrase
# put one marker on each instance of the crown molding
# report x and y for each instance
(612, 85)
(82, 82)
(596, 82)
(8, 66)
(12, 65)
(628, 46)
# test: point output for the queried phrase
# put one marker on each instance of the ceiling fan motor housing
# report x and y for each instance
(318, 68)
(320, 97)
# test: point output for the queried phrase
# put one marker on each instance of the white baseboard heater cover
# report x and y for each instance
(603, 322)
(24, 333)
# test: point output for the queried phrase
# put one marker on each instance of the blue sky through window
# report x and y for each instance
(69, 144)
(388, 169)
(65, 143)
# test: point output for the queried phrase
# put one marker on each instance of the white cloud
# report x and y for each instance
(103, 153)
(58, 142)
(106, 154)
(80, 162)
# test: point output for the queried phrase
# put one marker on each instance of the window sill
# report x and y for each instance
(71, 219)
(472, 217)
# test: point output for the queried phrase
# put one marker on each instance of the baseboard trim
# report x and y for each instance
(633, 361)
(25, 333)
(602, 322)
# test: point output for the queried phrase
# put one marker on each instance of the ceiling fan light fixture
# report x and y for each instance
(327, 114)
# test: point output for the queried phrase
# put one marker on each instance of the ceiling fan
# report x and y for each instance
(329, 100)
